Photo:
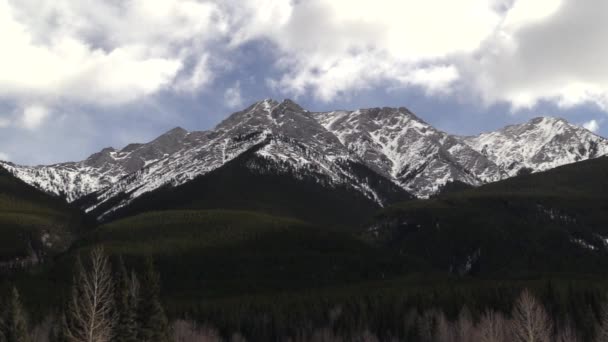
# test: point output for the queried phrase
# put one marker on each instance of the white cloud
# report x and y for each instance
(515, 51)
(34, 116)
(4, 156)
(103, 52)
(333, 47)
(114, 52)
(232, 96)
(551, 50)
(592, 125)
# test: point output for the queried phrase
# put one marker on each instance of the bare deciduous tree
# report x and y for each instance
(444, 331)
(464, 326)
(531, 323)
(91, 309)
(567, 333)
(426, 325)
(492, 327)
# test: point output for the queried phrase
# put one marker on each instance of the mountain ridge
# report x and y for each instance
(392, 142)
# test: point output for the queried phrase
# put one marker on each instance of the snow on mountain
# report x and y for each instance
(286, 134)
(394, 144)
(102, 169)
(402, 147)
(540, 144)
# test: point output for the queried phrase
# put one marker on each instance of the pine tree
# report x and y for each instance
(15, 323)
(154, 325)
(127, 298)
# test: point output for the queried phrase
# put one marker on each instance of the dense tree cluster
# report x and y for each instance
(106, 304)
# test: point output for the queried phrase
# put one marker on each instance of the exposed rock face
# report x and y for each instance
(392, 142)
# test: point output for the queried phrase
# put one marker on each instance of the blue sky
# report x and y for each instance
(76, 77)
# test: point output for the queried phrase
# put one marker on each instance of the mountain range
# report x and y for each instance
(380, 154)
(318, 211)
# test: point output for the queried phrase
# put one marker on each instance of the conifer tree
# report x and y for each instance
(15, 323)
(154, 325)
(127, 298)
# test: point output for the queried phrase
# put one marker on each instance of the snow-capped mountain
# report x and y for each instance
(73, 180)
(283, 133)
(402, 147)
(540, 144)
(391, 143)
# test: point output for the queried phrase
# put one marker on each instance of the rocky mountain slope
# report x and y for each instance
(73, 180)
(283, 133)
(402, 147)
(393, 143)
(540, 144)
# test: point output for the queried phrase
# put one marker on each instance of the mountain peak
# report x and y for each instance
(540, 144)
(547, 120)
(176, 131)
(107, 150)
(390, 141)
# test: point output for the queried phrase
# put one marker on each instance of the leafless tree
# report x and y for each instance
(567, 333)
(91, 310)
(464, 326)
(444, 330)
(492, 327)
(426, 325)
(531, 323)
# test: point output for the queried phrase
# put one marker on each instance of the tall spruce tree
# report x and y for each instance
(127, 300)
(15, 322)
(154, 325)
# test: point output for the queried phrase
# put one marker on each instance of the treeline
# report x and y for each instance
(109, 302)
(529, 321)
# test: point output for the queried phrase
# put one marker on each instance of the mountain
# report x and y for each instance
(404, 148)
(253, 182)
(370, 152)
(538, 145)
(33, 224)
(266, 138)
(73, 180)
(555, 220)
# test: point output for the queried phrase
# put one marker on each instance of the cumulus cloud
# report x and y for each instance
(333, 47)
(514, 51)
(592, 125)
(107, 53)
(103, 52)
(552, 50)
